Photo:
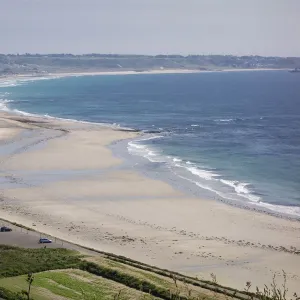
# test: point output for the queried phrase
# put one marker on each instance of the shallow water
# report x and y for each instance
(235, 135)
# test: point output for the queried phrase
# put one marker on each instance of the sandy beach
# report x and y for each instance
(59, 177)
(94, 73)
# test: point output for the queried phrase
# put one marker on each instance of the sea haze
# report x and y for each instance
(234, 134)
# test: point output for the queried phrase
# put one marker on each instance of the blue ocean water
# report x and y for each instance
(235, 134)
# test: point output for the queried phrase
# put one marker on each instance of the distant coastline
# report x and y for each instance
(43, 64)
(132, 72)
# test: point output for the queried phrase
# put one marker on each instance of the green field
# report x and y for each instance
(71, 284)
(18, 261)
(159, 281)
(66, 275)
(56, 276)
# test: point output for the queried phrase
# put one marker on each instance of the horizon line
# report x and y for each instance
(145, 55)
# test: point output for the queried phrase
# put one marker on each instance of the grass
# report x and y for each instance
(141, 274)
(63, 274)
(9, 295)
(178, 291)
(209, 287)
(153, 278)
(16, 261)
(71, 284)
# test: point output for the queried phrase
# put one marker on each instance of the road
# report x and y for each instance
(24, 238)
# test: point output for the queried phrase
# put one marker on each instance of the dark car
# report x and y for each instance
(5, 229)
(44, 241)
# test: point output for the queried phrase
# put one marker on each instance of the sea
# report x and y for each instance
(232, 136)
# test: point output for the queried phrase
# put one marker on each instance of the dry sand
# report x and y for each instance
(114, 209)
(7, 133)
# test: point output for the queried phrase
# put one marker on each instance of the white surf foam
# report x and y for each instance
(205, 174)
(241, 189)
(175, 159)
(8, 83)
(153, 155)
(205, 187)
(224, 120)
(4, 104)
(16, 81)
(290, 210)
(150, 138)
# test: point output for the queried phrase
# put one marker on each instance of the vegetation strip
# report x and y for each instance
(16, 261)
(130, 281)
(208, 285)
(205, 284)
(8, 295)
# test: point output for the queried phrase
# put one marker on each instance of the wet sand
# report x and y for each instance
(93, 200)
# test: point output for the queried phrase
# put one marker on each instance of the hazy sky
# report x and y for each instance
(263, 27)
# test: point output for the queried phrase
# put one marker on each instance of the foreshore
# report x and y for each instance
(60, 177)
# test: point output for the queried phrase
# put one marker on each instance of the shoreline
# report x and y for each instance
(247, 205)
(127, 72)
(188, 186)
(112, 207)
(266, 208)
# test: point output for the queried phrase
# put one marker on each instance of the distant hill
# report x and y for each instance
(51, 63)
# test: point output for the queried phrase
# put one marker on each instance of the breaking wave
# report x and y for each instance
(207, 179)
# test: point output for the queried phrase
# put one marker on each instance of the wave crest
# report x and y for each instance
(210, 180)
(3, 104)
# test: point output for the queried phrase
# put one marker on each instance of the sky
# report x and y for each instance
(237, 27)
